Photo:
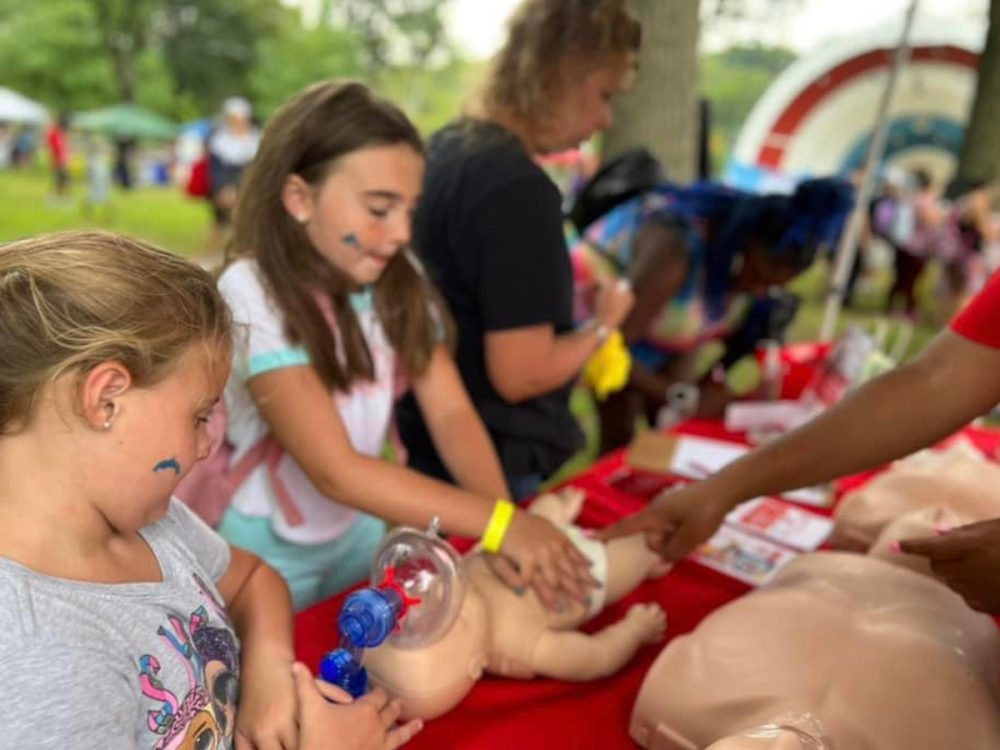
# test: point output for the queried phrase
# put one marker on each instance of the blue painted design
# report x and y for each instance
(277, 359)
(170, 463)
(351, 240)
(907, 133)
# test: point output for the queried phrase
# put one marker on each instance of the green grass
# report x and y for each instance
(162, 215)
(167, 217)
(867, 307)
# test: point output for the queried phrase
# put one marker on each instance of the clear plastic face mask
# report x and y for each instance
(425, 568)
(414, 599)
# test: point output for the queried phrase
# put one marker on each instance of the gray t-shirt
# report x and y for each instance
(137, 665)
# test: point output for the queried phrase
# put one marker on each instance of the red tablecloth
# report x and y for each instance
(549, 715)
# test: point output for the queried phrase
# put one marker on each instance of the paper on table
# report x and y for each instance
(784, 416)
(782, 523)
(744, 557)
(701, 457)
(698, 458)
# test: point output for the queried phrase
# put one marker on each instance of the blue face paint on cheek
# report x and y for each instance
(170, 463)
(351, 240)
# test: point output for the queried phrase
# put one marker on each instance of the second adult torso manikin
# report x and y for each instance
(886, 657)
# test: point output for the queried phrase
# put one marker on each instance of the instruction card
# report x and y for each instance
(746, 558)
(782, 523)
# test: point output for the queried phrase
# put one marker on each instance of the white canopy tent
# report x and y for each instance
(20, 109)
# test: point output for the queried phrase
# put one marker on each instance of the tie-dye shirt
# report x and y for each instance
(150, 666)
(684, 322)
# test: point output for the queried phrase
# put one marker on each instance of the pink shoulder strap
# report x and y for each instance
(269, 452)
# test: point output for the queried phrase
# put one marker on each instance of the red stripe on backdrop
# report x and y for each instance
(772, 152)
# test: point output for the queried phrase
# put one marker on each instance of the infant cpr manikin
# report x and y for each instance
(498, 631)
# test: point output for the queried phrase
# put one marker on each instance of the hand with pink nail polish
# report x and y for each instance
(967, 559)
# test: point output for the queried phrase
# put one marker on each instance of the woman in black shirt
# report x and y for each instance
(490, 229)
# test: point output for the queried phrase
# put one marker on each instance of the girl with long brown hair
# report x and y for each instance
(336, 312)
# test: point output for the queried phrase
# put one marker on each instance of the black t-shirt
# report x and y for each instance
(489, 229)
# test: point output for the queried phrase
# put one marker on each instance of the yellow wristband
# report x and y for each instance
(496, 529)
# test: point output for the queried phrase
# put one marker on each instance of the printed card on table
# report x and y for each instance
(782, 523)
(746, 558)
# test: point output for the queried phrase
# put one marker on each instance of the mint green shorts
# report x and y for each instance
(313, 571)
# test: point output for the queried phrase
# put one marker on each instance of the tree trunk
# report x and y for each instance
(125, 73)
(122, 27)
(661, 112)
(980, 158)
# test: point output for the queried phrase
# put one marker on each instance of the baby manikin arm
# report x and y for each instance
(579, 657)
(560, 507)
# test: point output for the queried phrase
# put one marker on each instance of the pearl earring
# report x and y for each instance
(107, 424)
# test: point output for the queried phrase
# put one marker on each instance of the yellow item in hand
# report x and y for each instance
(496, 529)
(608, 370)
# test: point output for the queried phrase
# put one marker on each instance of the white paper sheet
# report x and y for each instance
(744, 557)
(699, 458)
(782, 523)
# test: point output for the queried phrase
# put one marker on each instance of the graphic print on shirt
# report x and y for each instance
(204, 717)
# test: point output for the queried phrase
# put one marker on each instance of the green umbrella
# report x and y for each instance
(126, 121)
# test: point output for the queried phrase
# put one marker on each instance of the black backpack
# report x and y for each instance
(622, 178)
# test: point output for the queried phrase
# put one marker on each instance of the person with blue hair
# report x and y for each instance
(703, 260)
(914, 406)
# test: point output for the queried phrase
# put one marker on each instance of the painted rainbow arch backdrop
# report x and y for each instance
(818, 117)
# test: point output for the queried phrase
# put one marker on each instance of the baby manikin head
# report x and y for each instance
(434, 678)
